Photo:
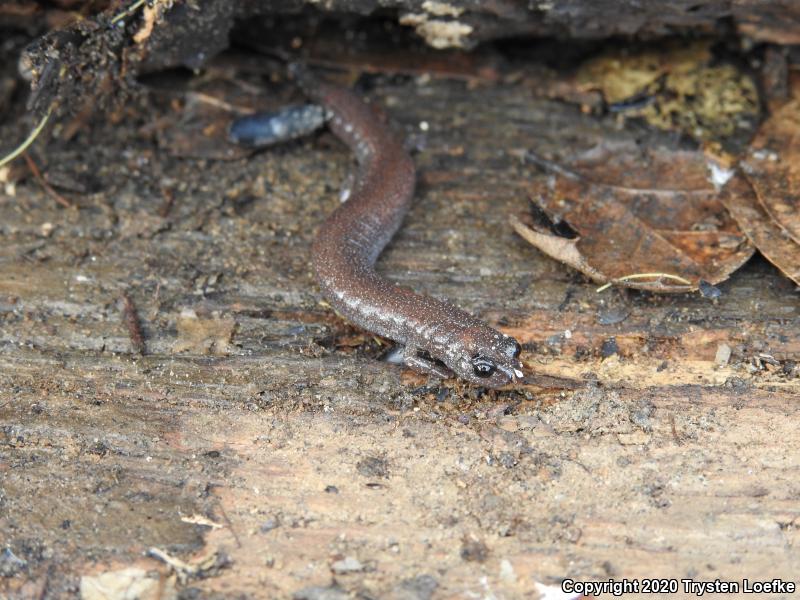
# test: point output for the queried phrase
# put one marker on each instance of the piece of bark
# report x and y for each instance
(73, 61)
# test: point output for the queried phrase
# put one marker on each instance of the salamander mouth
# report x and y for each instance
(425, 355)
(512, 372)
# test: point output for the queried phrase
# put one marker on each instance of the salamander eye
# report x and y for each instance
(483, 367)
(514, 349)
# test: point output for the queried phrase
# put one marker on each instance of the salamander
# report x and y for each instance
(439, 338)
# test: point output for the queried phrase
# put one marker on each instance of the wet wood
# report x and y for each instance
(317, 464)
(84, 54)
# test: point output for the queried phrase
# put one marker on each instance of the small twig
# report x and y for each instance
(127, 12)
(196, 519)
(230, 525)
(156, 295)
(169, 200)
(47, 187)
(636, 276)
(675, 432)
(553, 382)
(45, 585)
(217, 103)
(133, 325)
(185, 570)
(29, 140)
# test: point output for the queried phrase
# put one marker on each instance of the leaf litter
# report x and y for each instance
(773, 167)
(670, 213)
(645, 213)
(766, 201)
(776, 246)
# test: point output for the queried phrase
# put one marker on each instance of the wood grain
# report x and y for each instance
(667, 465)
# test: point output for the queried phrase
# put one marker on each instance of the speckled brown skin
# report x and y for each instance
(435, 333)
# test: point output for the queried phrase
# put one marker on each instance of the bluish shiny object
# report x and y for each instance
(274, 127)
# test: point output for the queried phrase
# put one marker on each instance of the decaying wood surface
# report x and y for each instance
(91, 47)
(260, 429)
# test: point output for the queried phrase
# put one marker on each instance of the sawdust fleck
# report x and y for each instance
(204, 336)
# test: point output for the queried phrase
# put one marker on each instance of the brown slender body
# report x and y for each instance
(439, 337)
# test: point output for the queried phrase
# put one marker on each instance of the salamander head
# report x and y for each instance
(487, 357)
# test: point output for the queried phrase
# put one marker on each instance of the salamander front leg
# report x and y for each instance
(420, 362)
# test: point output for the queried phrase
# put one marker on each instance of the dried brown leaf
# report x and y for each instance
(739, 198)
(638, 210)
(773, 167)
(555, 246)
